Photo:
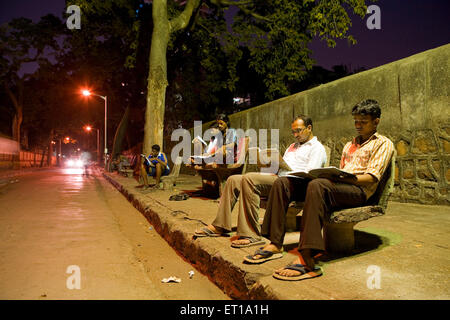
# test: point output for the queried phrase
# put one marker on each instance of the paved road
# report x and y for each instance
(67, 236)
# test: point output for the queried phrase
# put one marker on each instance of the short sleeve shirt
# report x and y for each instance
(371, 157)
(161, 156)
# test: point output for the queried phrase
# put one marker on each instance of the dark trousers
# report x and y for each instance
(283, 191)
(321, 197)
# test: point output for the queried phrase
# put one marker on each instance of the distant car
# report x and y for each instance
(74, 163)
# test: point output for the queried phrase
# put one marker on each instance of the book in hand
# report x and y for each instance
(146, 161)
(266, 155)
(207, 158)
(202, 157)
(327, 172)
(198, 138)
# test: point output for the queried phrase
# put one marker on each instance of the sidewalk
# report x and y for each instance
(406, 250)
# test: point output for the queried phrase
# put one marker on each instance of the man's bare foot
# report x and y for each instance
(213, 229)
(269, 247)
(156, 186)
(243, 242)
(305, 259)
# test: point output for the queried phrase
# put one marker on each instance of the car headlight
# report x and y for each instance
(70, 163)
(79, 163)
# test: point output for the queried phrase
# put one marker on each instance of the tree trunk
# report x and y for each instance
(17, 123)
(119, 137)
(50, 148)
(42, 158)
(17, 119)
(157, 79)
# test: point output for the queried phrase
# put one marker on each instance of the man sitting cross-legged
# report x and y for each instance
(367, 156)
(305, 154)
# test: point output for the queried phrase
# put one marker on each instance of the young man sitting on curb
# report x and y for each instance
(154, 165)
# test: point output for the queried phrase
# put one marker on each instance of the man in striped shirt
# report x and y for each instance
(367, 156)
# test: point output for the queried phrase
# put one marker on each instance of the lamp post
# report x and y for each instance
(87, 93)
(88, 128)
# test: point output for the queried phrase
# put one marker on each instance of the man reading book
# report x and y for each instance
(154, 165)
(221, 148)
(211, 147)
(305, 154)
(367, 156)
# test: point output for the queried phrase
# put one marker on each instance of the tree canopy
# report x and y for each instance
(174, 60)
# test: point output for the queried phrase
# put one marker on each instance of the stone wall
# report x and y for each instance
(414, 97)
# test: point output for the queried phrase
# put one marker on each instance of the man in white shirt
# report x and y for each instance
(305, 154)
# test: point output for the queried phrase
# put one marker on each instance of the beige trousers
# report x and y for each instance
(248, 189)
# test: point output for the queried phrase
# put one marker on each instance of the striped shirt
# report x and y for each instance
(372, 157)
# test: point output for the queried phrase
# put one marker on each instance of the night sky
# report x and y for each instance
(407, 27)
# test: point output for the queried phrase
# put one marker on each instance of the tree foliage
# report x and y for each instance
(23, 41)
(205, 52)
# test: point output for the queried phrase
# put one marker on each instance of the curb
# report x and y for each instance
(177, 229)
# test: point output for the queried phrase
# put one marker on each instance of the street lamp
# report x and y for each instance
(87, 93)
(88, 128)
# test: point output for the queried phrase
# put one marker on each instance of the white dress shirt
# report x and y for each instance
(307, 156)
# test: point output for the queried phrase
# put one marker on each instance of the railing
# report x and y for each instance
(26, 159)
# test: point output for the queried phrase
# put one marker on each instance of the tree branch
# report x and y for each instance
(12, 97)
(241, 5)
(232, 3)
(182, 21)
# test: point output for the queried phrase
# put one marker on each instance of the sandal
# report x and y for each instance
(265, 256)
(304, 273)
(206, 232)
(252, 242)
(179, 197)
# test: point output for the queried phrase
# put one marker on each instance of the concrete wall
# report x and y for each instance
(414, 96)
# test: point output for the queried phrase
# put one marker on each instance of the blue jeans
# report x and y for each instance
(152, 171)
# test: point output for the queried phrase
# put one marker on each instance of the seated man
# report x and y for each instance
(212, 145)
(305, 154)
(223, 146)
(228, 146)
(211, 148)
(367, 156)
(155, 165)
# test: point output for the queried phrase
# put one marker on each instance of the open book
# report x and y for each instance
(203, 157)
(327, 172)
(198, 138)
(146, 161)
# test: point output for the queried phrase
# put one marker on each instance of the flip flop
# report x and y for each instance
(253, 242)
(206, 232)
(266, 256)
(179, 197)
(304, 273)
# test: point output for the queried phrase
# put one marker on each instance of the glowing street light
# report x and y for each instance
(88, 93)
